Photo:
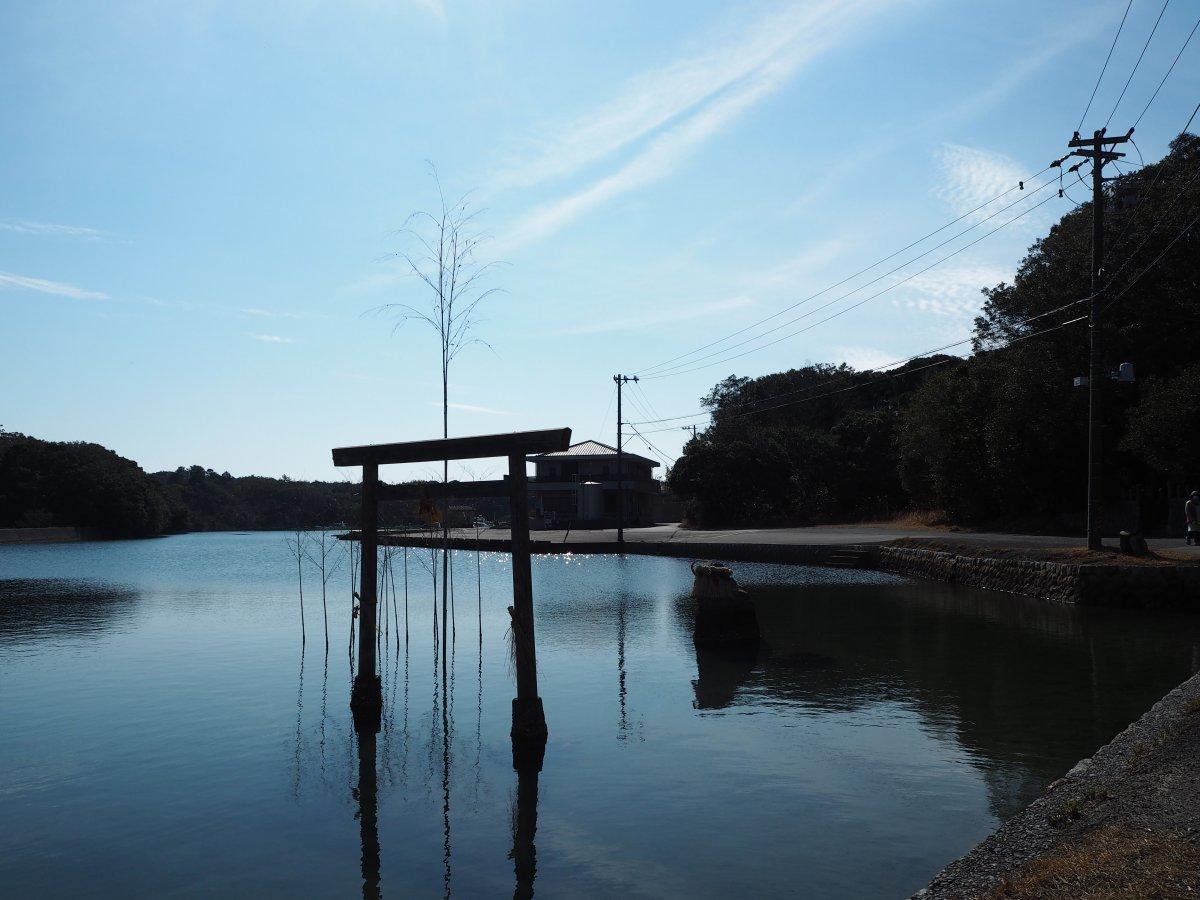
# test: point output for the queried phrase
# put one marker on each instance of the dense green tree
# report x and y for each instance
(78, 484)
(1164, 427)
(1002, 434)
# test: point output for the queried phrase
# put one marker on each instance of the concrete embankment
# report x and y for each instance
(1174, 587)
(43, 535)
(1124, 823)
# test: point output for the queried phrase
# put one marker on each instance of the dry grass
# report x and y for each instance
(1111, 863)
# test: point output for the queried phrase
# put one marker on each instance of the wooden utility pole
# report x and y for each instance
(621, 380)
(1097, 151)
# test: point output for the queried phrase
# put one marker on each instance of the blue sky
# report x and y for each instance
(198, 201)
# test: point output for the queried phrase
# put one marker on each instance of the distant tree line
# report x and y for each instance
(48, 483)
(1001, 435)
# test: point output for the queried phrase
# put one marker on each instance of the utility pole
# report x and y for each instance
(621, 380)
(692, 429)
(1096, 149)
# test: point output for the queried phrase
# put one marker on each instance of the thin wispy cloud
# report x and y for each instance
(863, 358)
(259, 313)
(653, 99)
(972, 176)
(23, 226)
(11, 281)
(436, 8)
(714, 89)
(469, 407)
(954, 292)
(272, 338)
(797, 269)
(1053, 42)
(659, 317)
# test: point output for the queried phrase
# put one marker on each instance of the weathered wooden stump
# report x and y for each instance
(724, 612)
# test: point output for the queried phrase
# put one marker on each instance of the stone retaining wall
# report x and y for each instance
(1137, 587)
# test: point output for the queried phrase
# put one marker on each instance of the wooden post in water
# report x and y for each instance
(366, 697)
(529, 719)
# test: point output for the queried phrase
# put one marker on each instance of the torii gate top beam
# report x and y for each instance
(476, 447)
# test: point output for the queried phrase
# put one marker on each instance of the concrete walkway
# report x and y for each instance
(820, 536)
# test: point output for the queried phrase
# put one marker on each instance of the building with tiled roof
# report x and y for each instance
(579, 485)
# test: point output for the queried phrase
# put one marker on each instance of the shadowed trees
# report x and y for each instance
(1000, 435)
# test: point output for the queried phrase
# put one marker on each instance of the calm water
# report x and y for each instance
(162, 733)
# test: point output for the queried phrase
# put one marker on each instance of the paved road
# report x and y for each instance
(826, 535)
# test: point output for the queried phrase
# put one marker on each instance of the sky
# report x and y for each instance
(202, 203)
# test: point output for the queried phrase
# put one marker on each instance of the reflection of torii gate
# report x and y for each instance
(529, 720)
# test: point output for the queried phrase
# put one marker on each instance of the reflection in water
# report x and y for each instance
(623, 719)
(865, 694)
(527, 761)
(951, 655)
(53, 609)
(720, 671)
(447, 705)
(366, 795)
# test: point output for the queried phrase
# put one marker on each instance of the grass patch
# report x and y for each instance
(1111, 863)
(1074, 807)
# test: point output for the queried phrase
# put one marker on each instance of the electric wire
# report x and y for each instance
(1154, 227)
(1186, 228)
(682, 366)
(1104, 68)
(1170, 69)
(885, 367)
(854, 305)
(1019, 186)
(897, 374)
(608, 409)
(1132, 72)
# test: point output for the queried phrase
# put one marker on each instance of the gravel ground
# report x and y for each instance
(1139, 795)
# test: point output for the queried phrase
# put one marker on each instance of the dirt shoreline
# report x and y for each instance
(1124, 823)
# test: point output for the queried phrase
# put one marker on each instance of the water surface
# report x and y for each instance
(163, 733)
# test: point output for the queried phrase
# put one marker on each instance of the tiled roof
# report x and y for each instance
(592, 449)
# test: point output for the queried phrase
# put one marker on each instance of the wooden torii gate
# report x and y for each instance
(529, 719)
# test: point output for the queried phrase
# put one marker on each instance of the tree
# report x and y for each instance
(1164, 427)
(321, 550)
(443, 261)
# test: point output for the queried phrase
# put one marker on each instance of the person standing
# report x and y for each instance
(1191, 514)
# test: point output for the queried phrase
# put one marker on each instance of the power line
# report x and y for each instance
(1104, 68)
(1161, 218)
(852, 306)
(886, 366)
(826, 305)
(893, 375)
(1168, 75)
(607, 410)
(1019, 186)
(662, 457)
(1145, 47)
(1186, 228)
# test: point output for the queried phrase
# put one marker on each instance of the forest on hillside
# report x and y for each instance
(999, 436)
(85, 485)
